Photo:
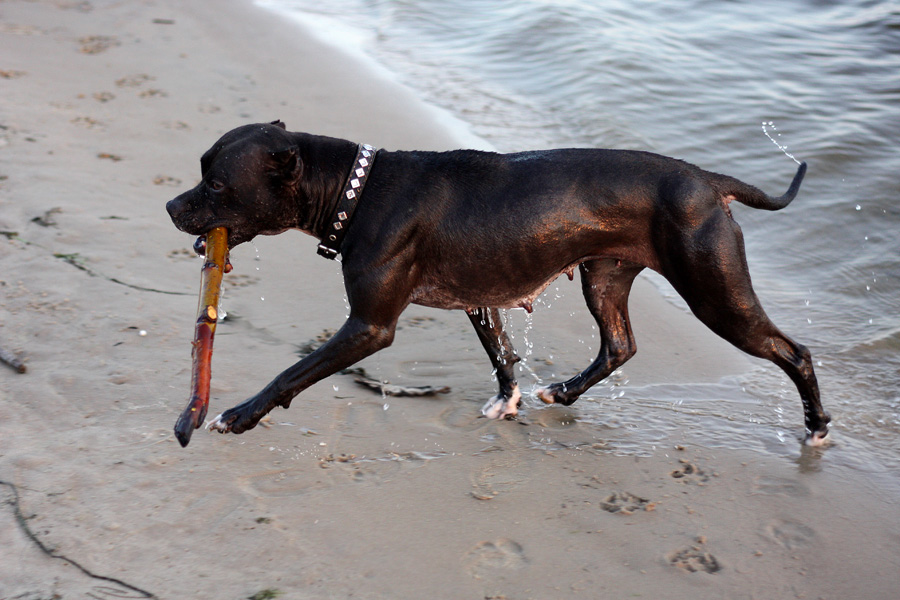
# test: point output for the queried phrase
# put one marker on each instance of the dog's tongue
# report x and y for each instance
(200, 249)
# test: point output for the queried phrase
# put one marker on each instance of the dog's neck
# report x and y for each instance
(325, 166)
(333, 195)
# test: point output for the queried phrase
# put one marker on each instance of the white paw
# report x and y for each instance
(817, 440)
(218, 425)
(493, 407)
(499, 407)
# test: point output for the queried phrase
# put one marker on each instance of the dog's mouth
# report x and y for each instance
(234, 239)
(200, 249)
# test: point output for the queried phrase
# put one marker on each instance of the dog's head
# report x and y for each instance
(248, 177)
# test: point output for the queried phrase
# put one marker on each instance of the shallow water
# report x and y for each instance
(698, 80)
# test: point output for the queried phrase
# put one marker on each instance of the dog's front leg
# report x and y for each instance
(357, 339)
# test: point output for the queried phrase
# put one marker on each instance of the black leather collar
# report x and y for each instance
(330, 246)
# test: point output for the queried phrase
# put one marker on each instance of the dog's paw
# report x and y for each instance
(817, 439)
(555, 393)
(817, 430)
(552, 394)
(219, 424)
(545, 395)
(243, 417)
(234, 420)
(501, 407)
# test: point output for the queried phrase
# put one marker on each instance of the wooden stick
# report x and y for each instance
(12, 360)
(207, 316)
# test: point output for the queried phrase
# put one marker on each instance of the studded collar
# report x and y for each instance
(330, 246)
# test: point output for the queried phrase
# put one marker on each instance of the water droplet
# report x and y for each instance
(142, 332)
(335, 387)
(781, 147)
(858, 207)
(262, 298)
(386, 406)
(257, 254)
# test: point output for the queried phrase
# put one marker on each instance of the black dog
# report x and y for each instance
(480, 232)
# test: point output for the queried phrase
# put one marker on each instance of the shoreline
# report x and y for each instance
(456, 129)
(105, 114)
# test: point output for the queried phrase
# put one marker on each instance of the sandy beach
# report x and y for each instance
(105, 110)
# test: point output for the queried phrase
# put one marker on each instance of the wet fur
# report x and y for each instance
(481, 231)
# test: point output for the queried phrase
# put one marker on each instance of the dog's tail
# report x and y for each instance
(756, 198)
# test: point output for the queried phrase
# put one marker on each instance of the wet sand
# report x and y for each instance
(106, 108)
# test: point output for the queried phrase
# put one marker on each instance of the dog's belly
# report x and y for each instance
(435, 293)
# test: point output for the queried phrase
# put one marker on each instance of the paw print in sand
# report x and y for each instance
(626, 503)
(694, 558)
(690, 473)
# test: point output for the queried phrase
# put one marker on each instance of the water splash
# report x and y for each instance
(508, 325)
(529, 325)
(770, 124)
(257, 260)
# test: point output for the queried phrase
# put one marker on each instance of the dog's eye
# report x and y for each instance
(216, 185)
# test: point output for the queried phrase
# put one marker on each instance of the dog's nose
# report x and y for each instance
(172, 207)
(178, 209)
(178, 212)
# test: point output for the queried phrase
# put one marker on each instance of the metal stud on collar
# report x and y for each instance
(347, 201)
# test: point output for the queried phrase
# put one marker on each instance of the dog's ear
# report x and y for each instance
(278, 123)
(286, 164)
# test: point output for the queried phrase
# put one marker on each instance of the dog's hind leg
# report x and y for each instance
(606, 284)
(489, 327)
(714, 280)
